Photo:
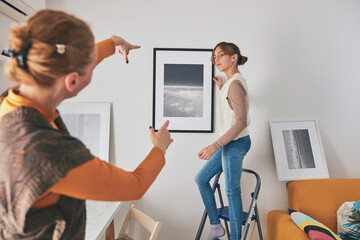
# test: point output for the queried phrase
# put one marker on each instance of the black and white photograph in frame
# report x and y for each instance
(89, 122)
(183, 89)
(298, 150)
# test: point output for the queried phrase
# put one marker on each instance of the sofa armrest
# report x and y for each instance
(280, 226)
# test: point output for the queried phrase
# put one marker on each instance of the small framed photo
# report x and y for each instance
(183, 90)
(89, 122)
(298, 150)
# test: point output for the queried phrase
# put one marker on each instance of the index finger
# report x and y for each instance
(165, 125)
(135, 47)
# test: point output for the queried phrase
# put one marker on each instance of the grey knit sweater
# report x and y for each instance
(33, 157)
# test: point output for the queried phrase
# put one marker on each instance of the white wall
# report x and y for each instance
(303, 64)
(5, 24)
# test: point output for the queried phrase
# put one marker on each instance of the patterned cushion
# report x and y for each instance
(314, 229)
(348, 218)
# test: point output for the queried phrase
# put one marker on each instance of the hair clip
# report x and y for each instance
(8, 51)
(21, 55)
(60, 48)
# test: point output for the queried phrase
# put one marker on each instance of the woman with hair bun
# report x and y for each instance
(45, 174)
(227, 153)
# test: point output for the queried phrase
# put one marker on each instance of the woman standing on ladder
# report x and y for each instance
(227, 153)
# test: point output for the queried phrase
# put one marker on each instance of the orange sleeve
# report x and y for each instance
(99, 180)
(106, 48)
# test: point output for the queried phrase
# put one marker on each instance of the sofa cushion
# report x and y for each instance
(321, 198)
(348, 217)
(314, 229)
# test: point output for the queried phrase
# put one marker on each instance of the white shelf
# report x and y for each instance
(99, 216)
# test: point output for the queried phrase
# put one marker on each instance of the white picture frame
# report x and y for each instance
(89, 122)
(298, 150)
(183, 90)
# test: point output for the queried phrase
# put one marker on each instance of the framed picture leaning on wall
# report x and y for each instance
(298, 150)
(183, 90)
(89, 122)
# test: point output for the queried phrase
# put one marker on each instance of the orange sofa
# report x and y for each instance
(317, 198)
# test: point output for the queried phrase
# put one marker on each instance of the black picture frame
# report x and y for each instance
(183, 89)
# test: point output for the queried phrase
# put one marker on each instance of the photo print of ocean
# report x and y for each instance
(298, 149)
(183, 90)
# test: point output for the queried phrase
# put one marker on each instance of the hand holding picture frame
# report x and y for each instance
(298, 150)
(183, 89)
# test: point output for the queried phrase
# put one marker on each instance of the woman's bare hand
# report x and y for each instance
(207, 152)
(218, 81)
(123, 46)
(162, 138)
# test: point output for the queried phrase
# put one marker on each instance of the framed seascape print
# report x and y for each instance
(183, 89)
(298, 150)
(89, 122)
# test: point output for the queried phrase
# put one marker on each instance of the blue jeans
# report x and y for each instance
(229, 158)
